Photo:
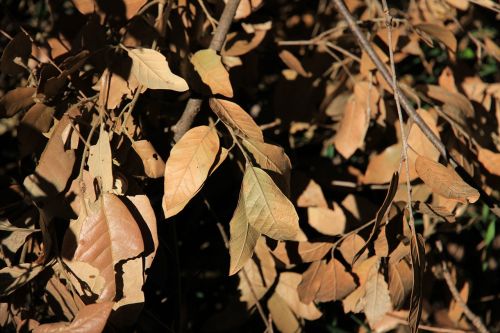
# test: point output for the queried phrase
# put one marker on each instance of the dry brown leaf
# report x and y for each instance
(445, 181)
(438, 32)
(85, 278)
(377, 301)
(243, 237)
(56, 163)
(324, 282)
(90, 319)
(11, 278)
(236, 118)
(152, 71)
(418, 268)
(246, 7)
(490, 160)
(36, 121)
(266, 208)
(283, 317)
(400, 283)
(367, 64)
(293, 63)
(492, 48)
(459, 4)
(260, 277)
(456, 310)
(312, 196)
(382, 166)
(271, 158)
(154, 167)
(452, 98)
(328, 221)
(188, 166)
(16, 100)
(109, 238)
(352, 129)
(238, 44)
(301, 252)
(287, 290)
(209, 66)
(17, 50)
(130, 7)
(350, 246)
(100, 162)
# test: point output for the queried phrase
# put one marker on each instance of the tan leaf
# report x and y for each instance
(418, 268)
(440, 33)
(246, 7)
(400, 283)
(301, 252)
(382, 166)
(445, 181)
(56, 163)
(452, 98)
(235, 117)
(271, 158)
(16, 100)
(367, 63)
(109, 238)
(267, 209)
(90, 319)
(293, 63)
(238, 43)
(128, 7)
(287, 290)
(151, 69)
(283, 317)
(312, 196)
(243, 237)
(490, 160)
(350, 246)
(327, 221)
(324, 282)
(11, 278)
(154, 167)
(85, 278)
(188, 166)
(100, 161)
(377, 299)
(17, 50)
(209, 66)
(260, 277)
(352, 129)
(456, 311)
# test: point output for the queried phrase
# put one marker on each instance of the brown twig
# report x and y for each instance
(193, 105)
(474, 319)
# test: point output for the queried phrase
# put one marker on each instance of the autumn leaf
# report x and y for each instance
(267, 209)
(236, 118)
(151, 69)
(15, 100)
(209, 66)
(445, 181)
(440, 33)
(17, 50)
(100, 161)
(188, 166)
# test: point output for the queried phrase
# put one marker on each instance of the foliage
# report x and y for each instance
(300, 199)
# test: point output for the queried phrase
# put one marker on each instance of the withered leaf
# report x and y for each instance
(236, 118)
(237, 44)
(130, 7)
(16, 100)
(325, 281)
(451, 98)
(287, 290)
(350, 246)
(440, 33)
(154, 167)
(327, 221)
(400, 283)
(14, 277)
(267, 209)
(90, 319)
(352, 128)
(417, 247)
(246, 7)
(377, 301)
(188, 166)
(100, 161)
(301, 252)
(283, 317)
(445, 181)
(151, 69)
(209, 66)
(293, 63)
(18, 49)
(490, 160)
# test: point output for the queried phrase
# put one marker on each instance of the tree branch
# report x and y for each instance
(194, 104)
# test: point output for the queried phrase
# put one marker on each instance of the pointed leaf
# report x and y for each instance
(440, 33)
(151, 69)
(287, 290)
(188, 166)
(267, 209)
(445, 181)
(101, 161)
(18, 49)
(418, 268)
(16, 100)
(209, 66)
(235, 117)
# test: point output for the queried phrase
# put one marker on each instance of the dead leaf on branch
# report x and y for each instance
(151, 69)
(90, 319)
(154, 167)
(267, 209)
(293, 63)
(17, 50)
(291, 253)
(445, 181)
(16, 100)
(400, 283)
(188, 166)
(417, 247)
(287, 290)
(328, 221)
(12, 278)
(209, 66)
(92, 6)
(236, 118)
(100, 161)
(438, 32)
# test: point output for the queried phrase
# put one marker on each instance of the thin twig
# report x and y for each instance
(194, 104)
(474, 319)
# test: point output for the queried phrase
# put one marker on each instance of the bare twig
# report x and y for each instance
(474, 319)
(193, 105)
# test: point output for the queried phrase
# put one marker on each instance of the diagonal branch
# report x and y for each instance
(193, 105)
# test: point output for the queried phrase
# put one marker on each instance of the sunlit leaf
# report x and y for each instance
(209, 66)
